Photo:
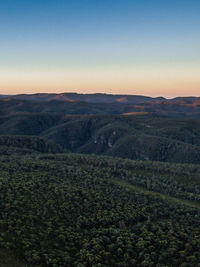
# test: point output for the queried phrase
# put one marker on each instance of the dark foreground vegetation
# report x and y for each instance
(81, 210)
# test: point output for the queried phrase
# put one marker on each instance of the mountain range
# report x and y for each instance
(72, 103)
(89, 98)
(95, 98)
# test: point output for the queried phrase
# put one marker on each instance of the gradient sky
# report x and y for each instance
(148, 47)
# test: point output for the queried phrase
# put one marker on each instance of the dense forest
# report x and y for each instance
(79, 210)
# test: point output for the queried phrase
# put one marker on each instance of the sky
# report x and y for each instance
(145, 47)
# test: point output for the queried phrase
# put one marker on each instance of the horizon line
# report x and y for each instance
(99, 93)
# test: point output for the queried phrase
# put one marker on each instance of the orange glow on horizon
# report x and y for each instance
(149, 82)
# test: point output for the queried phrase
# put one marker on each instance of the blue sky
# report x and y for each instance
(113, 46)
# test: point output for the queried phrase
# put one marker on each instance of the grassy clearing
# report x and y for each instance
(157, 194)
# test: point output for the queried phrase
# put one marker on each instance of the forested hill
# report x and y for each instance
(141, 137)
(26, 143)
